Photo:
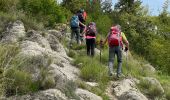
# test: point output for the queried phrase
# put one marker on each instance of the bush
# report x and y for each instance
(47, 11)
(92, 69)
(17, 82)
(69, 88)
(71, 53)
(12, 80)
(8, 5)
(149, 89)
(167, 93)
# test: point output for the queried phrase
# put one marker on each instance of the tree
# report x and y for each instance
(129, 6)
(74, 5)
(107, 6)
(164, 15)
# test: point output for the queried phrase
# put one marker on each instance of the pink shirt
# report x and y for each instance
(90, 37)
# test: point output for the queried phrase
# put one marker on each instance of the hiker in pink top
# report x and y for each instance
(91, 38)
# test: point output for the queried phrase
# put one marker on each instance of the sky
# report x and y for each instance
(155, 6)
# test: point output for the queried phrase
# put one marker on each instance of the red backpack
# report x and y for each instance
(115, 38)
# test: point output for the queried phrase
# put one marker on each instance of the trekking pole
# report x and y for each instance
(101, 41)
(127, 63)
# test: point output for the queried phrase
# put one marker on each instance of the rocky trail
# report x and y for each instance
(43, 46)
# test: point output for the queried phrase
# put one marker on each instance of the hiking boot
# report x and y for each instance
(110, 74)
(120, 76)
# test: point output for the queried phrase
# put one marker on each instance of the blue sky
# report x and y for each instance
(155, 6)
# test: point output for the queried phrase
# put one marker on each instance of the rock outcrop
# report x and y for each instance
(51, 94)
(14, 31)
(86, 95)
(127, 90)
(42, 51)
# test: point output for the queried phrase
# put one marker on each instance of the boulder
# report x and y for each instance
(132, 95)
(149, 68)
(126, 90)
(51, 94)
(36, 36)
(60, 35)
(97, 51)
(56, 33)
(86, 95)
(92, 84)
(55, 44)
(14, 31)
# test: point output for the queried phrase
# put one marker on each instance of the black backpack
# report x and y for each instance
(91, 29)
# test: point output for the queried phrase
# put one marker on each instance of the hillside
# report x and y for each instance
(37, 61)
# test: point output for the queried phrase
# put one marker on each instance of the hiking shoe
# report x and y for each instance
(110, 74)
(120, 76)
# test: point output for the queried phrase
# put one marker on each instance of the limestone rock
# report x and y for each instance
(51, 94)
(13, 32)
(127, 90)
(86, 95)
(36, 36)
(132, 95)
(93, 84)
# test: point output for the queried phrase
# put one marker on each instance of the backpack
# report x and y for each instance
(74, 21)
(91, 29)
(115, 38)
(81, 17)
(84, 15)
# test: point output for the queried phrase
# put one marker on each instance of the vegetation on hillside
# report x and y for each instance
(149, 36)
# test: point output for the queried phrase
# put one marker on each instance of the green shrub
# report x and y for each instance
(18, 82)
(167, 93)
(47, 11)
(149, 89)
(71, 53)
(13, 80)
(8, 5)
(69, 88)
(92, 69)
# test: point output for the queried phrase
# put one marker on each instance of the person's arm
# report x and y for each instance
(82, 24)
(125, 40)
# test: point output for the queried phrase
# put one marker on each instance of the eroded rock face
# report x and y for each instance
(86, 95)
(13, 32)
(51, 94)
(132, 95)
(126, 90)
(36, 36)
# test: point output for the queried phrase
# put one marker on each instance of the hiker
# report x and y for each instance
(115, 40)
(82, 15)
(75, 28)
(90, 36)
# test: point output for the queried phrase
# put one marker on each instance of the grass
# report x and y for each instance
(15, 72)
(68, 88)
(12, 80)
(165, 82)
(29, 21)
(99, 90)
(150, 90)
(93, 70)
